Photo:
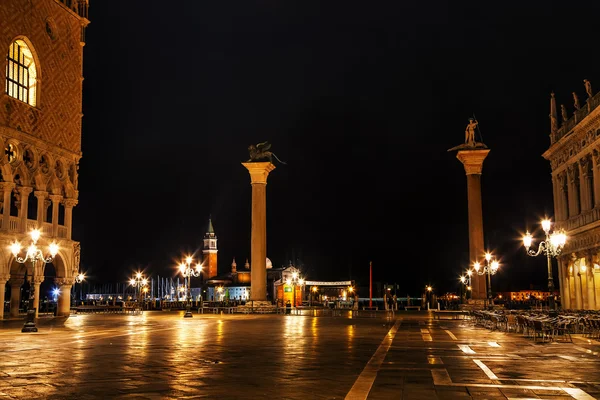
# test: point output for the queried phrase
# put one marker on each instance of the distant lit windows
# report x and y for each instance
(21, 73)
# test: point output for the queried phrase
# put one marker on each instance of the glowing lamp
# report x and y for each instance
(15, 248)
(546, 225)
(35, 234)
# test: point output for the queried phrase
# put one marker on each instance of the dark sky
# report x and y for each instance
(361, 99)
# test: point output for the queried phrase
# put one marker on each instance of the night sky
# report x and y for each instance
(362, 100)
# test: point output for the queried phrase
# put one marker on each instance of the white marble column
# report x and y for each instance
(24, 192)
(563, 281)
(37, 281)
(589, 278)
(64, 296)
(69, 204)
(7, 188)
(596, 172)
(15, 296)
(56, 199)
(41, 200)
(3, 280)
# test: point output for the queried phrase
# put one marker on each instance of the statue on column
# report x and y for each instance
(576, 101)
(261, 152)
(588, 88)
(470, 132)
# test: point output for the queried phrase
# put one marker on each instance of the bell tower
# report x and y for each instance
(209, 253)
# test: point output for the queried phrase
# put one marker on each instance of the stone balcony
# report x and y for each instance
(14, 225)
(579, 220)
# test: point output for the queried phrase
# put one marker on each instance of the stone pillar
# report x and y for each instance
(585, 184)
(563, 282)
(15, 296)
(596, 174)
(37, 281)
(577, 285)
(589, 277)
(259, 171)
(7, 188)
(56, 199)
(573, 172)
(556, 197)
(64, 296)
(69, 204)
(564, 195)
(41, 207)
(3, 280)
(473, 163)
(24, 192)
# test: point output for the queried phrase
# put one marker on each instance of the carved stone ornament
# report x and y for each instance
(584, 162)
(64, 281)
(572, 171)
(596, 154)
(562, 180)
(76, 256)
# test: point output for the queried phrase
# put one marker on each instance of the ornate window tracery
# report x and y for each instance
(21, 73)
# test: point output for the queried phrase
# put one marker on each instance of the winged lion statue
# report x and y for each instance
(261, 151)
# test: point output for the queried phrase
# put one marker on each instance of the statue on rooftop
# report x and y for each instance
(588, 88)
(563, 112)
(576, 101)
(470, 132)
(261, 152)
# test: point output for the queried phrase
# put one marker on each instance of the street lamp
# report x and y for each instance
(315, 290)
(490, 268)
(296, 280)
(138, 282)
(552, 246)
(220, 292)
(78, 279)
(35, 256)
(188, 272)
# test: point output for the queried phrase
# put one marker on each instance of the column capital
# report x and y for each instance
(4, 278)
(472, 160)
(40, 194)
(259, 171)
(15, 282)
(38, 279)
(56, 198)
(7, 185)
(64, 281)
(24, 190)
(70, 203)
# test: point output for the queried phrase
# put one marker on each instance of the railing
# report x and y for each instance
(590, 105)
(586, 217)
(14, 225)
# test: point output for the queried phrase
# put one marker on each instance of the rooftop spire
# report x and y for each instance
(210, 228)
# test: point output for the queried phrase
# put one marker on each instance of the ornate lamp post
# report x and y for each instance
(296, 280)
(552, 247)
(138, 282)
(35, 256)
(187, 272)
(490, 268)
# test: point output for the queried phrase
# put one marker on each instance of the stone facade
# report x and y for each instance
(574, 156)
(41, 138)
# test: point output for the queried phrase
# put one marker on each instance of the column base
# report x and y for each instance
(30, 322)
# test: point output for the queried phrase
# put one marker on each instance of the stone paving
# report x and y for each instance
(160, 355)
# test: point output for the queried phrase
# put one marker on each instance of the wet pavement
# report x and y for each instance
(160, 355)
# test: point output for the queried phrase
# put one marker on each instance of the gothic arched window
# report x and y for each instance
(21, 73)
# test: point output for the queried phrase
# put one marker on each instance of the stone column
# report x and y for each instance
(573, 172)
(596, 174)
(64, 296)
(24, 192)
(69, 204)
(3, 280)
(562, 281)
(15, 296)
(556, 197)
(585, 184)
(7, 188)
(564, 195)
(473, 163)
(56, 198)
(577, 286)
(37, 281)
(259, 171)
(589, 277)
(41, 211)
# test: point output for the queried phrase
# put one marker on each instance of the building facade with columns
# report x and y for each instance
(40, 133)
(574, 156)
